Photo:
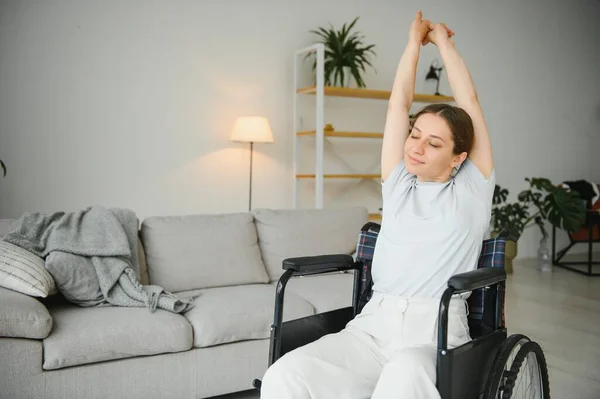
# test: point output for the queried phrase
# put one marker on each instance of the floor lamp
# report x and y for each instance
(251, 129)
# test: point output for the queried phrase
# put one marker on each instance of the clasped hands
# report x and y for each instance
(425, 31)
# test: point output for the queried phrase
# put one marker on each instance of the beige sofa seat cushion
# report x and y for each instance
(291, 233)
(90, 335)
(202, 251)
(22, 316)
(324, 292)
(229, 314)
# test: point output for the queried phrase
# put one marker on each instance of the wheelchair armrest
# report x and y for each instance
(320, 263)
(475, 279)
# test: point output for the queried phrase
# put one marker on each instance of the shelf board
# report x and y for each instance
(340, 176)
(372, 94)
(363, 135)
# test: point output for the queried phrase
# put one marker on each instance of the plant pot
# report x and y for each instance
(345, 83)
(510, 252)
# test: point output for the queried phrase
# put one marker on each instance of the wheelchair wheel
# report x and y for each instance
(519, 371)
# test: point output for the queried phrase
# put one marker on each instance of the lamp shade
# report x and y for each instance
(432, 74)
(254, 129)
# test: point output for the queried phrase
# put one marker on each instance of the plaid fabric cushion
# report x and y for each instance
(364, 253)
(481, 302)
(481, 309)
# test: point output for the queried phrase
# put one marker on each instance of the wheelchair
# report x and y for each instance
(491, 365)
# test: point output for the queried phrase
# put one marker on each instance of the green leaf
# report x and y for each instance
(524, 195)
(565, 210)
(500, 195)
(512, 216)
(356, 75)
(542, 184)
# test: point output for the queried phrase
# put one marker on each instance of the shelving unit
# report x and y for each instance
(341, 176)
(370, 94)
(320, 134)
(364, 135)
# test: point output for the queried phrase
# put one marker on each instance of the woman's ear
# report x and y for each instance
(458, 160)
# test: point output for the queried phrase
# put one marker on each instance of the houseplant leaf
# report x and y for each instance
(540, 183)
(565, 209)
(511, 216)
(500, 195)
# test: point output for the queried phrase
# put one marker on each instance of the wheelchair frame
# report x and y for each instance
(480, 354)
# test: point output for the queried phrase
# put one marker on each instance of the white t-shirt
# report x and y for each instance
(430, 231)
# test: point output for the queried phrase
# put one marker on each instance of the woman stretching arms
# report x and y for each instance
(438, 183)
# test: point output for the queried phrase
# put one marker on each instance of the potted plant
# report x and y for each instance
(542, 202)
(346, 55)
(511, 216)
(561, 207)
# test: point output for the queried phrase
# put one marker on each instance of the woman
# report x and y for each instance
(437, 186)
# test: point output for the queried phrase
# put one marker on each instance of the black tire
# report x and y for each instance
(529, 348)
(502, 364)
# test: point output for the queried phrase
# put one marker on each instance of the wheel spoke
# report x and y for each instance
(524, 380)
(519, 371)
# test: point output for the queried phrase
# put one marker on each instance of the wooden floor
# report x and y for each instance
(561, 311)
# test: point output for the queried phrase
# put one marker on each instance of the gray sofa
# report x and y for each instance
(51, 348)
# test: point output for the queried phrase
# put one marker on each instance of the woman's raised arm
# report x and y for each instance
(465, 96)
(397, 122)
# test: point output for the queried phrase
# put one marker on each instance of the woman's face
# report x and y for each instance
(429, 149)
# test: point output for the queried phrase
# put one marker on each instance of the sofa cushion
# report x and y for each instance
(201, 251)
(26, 275)
(295, 232)
(22, 316)
(89, 335)
(324, 292)
(24, 271)
(230, 314)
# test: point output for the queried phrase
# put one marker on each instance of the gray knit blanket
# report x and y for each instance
(92, 255)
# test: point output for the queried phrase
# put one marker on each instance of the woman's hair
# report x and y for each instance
(458, 120)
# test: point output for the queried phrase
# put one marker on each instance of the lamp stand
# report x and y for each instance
(250, 183)
(435, 73)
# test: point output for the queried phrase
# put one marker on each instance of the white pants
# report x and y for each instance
(388, 351)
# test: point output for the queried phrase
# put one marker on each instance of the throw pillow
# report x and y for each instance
(24, 272)
(75, 277)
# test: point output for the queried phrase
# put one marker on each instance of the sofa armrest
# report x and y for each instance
(23, 316)
(319, 264)
(476, 279)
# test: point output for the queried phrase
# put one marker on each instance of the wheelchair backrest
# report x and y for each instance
(365, 248)
(482, 305)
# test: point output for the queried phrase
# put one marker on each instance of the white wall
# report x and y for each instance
(130, 103)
